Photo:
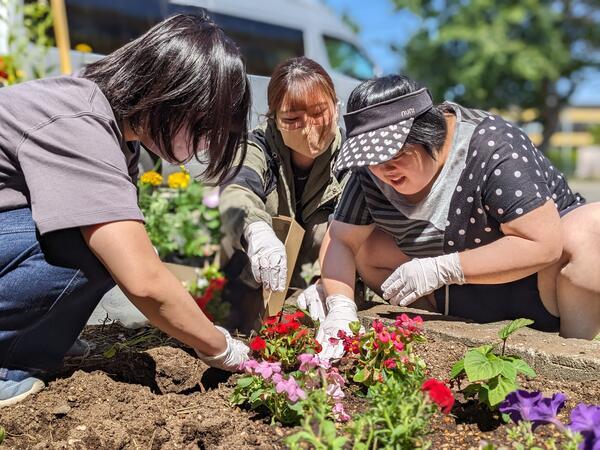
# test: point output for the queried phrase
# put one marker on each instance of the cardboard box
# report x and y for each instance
(291, 234)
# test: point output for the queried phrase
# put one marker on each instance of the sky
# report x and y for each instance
(380, 25)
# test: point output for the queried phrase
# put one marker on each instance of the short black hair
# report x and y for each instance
(428, 130)
(183, 72)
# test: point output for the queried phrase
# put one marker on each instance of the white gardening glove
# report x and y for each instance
(341, 312)
(313, 299)
(421, 276)
(235, 354)
(267, 256)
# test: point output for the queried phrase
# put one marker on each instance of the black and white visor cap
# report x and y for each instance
(376, 133)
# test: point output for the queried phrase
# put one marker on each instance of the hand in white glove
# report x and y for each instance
(341, 312)
(421, 276)
(267, 256)
(313, 299)
(230, 360)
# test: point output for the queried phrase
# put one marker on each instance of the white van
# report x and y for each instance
(267, 31)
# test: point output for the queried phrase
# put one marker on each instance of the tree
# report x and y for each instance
(505, 54)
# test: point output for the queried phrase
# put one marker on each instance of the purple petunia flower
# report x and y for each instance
(586, 420)
(532, 406)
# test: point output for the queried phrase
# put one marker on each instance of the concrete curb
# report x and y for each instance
(550, 355)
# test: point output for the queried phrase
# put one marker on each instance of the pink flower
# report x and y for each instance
(384, 336)
(211, 200)
(267, 369)
(291, 388)
(390, 363)
(339, 413)
(398, 345)
(378, 325)
(276, 378)
(309, 361)
(249, 366)
(335, 382)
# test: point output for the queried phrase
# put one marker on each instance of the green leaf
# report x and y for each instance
(355, 326)
(457, 368)
(516, 324)
(255, 396)
(508, 369)
(2, 434)
(522, 367)
(110, 353)
(479, 366)
(328, 430)
(245, 381)
(499, 388)
(361, 375)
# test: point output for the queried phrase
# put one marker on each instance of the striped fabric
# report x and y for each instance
(363, 203)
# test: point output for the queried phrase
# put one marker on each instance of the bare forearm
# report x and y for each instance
(337, 268)
(508, 259)
(170, 308)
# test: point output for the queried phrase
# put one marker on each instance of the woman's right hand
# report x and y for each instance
(267, 256)
(234, 355)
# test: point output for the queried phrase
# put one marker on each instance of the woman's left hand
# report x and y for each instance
(421, 276)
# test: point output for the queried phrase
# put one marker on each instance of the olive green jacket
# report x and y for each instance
(264, 186)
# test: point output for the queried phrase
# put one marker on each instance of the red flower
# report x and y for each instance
(272, 320)
(389, 363)
(299, 335)
(318, 347)
(439, 394)
(293, 317)
(218, 283)
(258, 344)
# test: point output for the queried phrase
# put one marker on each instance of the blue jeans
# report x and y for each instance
(49, 287)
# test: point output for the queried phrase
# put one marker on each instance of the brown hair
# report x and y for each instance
(299, 79)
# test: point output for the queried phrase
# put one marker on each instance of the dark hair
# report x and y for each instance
(428, 130)
(300, 79)
(183, 72)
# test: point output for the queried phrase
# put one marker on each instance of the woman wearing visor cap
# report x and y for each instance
(288, 170)
(460, 208)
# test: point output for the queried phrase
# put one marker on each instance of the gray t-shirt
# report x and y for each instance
(62, 154)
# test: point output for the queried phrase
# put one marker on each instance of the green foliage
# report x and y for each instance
(385, 351)
(178, 223)
(522, 437)
(29, 39)
(318, 428)
(492, 376)
(397, 418)
(2, 434)
(257, 392)
(503, 54)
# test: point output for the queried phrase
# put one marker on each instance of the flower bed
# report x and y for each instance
(156, 394)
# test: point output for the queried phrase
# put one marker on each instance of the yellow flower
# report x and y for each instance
(152, 177)
(179, 180)
(84, 48)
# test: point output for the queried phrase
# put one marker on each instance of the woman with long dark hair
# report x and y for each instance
(70, 226)
(288, 170)
(462, 211)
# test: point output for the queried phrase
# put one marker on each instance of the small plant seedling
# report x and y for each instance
(492, 376)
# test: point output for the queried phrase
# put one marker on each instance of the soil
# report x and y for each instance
(153, 394)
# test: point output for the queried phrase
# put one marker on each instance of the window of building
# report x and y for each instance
(263, 45)
(106, 26)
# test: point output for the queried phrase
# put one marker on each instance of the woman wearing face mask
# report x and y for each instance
(460, 208)
(70, 226)
(288, 170)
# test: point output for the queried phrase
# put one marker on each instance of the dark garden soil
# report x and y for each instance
(154, 394)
